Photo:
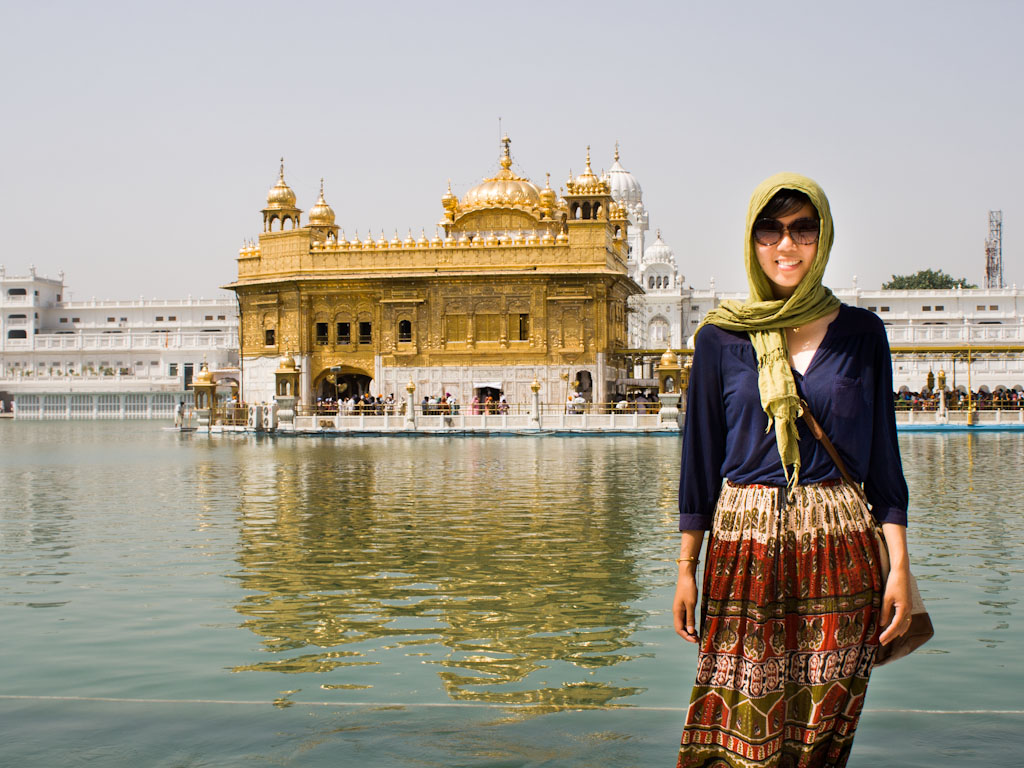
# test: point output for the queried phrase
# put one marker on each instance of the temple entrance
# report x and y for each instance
(586, 385)
(487, 398)
(339, 383)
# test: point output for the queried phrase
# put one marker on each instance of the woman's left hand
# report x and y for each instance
(896, 605)
(896, 598)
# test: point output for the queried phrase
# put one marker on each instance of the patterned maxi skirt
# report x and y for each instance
(789, 627)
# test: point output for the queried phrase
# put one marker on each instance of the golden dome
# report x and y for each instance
(449, 200)
(547, 195)
(587, 182)
(668, 359)
(321, 214)
(204, 376)
(287, 364)
(504, 189)
(281, 195)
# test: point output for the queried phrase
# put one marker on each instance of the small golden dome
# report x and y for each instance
(562, 238)
(287, 364)
(321, 214)
(588, 176)
(449, 200)
(588, 182)
(668, 358)
(547, 239)
(547, 195)
(281, 195)
(204, 376)
(504, 189)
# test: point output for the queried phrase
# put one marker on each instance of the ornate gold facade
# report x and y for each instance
(523, 283)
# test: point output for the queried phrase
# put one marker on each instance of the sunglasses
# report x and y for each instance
(801, 231)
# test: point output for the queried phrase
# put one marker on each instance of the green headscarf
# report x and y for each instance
(764, 317)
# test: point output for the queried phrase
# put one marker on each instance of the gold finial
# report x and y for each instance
(659, 233)
(616, 151)
(321, 187)
(506, 158)
(547, 184)
(282, 169)
(589, 171)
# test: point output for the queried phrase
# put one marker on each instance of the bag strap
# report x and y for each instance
(819, 433)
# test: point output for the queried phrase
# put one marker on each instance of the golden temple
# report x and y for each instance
(524, 285)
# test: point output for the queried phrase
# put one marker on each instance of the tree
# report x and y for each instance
(926, 279)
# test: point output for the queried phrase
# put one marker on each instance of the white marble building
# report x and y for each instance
(52, 347)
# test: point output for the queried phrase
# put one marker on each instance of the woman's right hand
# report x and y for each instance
(684, 604)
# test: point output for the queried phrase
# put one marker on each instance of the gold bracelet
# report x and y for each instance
(687, 560)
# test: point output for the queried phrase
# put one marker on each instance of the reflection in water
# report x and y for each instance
(965, 496)
(513, 570)
(496, 555)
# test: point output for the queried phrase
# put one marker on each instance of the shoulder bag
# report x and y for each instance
(921, 630)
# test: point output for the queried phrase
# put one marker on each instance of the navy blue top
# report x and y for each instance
(848, 386)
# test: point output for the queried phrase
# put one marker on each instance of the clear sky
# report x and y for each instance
(139, 139)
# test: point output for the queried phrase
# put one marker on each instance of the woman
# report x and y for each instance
(793, 607)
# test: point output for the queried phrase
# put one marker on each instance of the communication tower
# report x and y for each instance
(994, 251)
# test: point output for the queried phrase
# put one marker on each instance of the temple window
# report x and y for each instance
(269, 337)
(365, 333)
(321, 333)
(455, 327)
(404, 331)
(524, 327)
(344, 331)
(488, 327)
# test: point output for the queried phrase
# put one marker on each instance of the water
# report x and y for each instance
(176, 600)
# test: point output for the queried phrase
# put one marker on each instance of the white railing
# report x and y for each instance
(954, 334)
(226, 304)
(140, 405)
(127, 340)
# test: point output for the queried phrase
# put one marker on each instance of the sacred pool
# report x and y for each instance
(173, 599)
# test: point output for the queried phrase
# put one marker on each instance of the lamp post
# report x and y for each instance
(535, 404)
(410, 405)
(970, 404)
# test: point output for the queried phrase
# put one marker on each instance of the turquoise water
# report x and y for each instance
(178, 600)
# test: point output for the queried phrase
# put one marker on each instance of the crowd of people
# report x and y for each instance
(957, 400)
(447, 404)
